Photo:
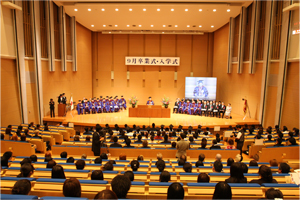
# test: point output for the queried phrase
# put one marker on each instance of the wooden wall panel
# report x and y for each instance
(290, 112)
(10, 98)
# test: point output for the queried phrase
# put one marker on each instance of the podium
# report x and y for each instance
(61, 110)
(147, 111)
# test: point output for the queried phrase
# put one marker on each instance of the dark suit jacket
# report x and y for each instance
(215, 147)
(234, 180)
(261, 181)
(115, 145)
(96, 143)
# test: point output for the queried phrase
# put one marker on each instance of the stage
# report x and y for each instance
(121, 118)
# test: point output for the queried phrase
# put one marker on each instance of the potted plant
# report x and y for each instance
(165, 101)
(133, 101)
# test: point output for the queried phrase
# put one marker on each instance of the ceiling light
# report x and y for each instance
(130, 9)
(144, 9)
(228, 10)
(176, 25)
(188, 26)
(200, 10)
(89, 9)
(163, 32)
(116, 9)
(116, 25)
(103, 9)
(75, 9)
(212, 26)
(140, 25)
(109, 32)
(172, 9)
(151, 25)
(104, 25)
(127, 25)
(186, 9)
(200, 26)
(92, 25)
(164, 25)
(158, 9)
(214, 10)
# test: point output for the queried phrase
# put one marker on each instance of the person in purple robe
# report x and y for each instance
(150, 102)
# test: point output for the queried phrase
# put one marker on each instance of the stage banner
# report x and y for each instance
(158, 61)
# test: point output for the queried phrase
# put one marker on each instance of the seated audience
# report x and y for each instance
(173, 145)
(201, 157)
(181, 162)
(58, 172)
(36, 134)
(278, 143)
(25, 160)
(175, 191)
(122, 156)
(15, 137)
(236, 174)
(273, 163)
(26, 170)
(115, 144)
(222, 191)
(238, 158)
(269, 138)
(145, 144)
(121, 185)
(130, 175)
(51, 164)
(203, 143)
(139, 140)
(88, 138)
(159, 156)
(164, 176)
(70, 160)
(83, 156)
(203, 178)
(214, 145)
(219, 157)
(98, 160)
(80, 164)
(22, 186)
(273, 194)
(108, 167)
(187, 167)
(76, 138)
(166, 140)
(191, 139)
(140, 157)
(106, 194)
(64, 154)
(158, 136)
(33, 158)
(103, 156)
(97, 175)
(23, 138)
(199, 163)
(231, 144)
(160, 165)
(72, 188)
(229, 162)
(218, 166)
(292, 141)
(245, 168)
(253, 163)
(128, 142)
(265, 174)
(284, 168)
(134, 165)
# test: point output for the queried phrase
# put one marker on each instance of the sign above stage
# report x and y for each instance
(158, 61)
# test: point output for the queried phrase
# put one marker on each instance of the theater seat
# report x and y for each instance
(50, 198)
(15, 196)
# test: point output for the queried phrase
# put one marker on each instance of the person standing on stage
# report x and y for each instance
(222, 110)
(240, 138)
(64, 98)
(182, 146)
(228, 111)
(150, 102)
(175, 109)
(60, 99)
(51, 104)
(96, 143)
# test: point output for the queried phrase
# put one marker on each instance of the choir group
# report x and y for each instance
(199, 107)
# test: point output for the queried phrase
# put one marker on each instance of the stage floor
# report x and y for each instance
(121, 118)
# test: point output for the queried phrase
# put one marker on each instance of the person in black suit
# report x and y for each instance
(64, 98)
(222, 109)
(176, 106)
(96, 143)
(214, 146)
(51, 104)
(115, 144)
(59, 99)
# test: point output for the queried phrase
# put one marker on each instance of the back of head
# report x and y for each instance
(266, 173)
(72, 188)
(292, 141)
(201, 157)
(253, 163)
(70, 160)
(284, 168)
(173, 144)
(187, 167)
(97, 175)
(175, 191)
(164, 176)
(134, 165)
(230, 161)
(181, 162)
(236, 172)
(273, 163)
(51, 164)
(25, 160)
(203, 178)
(199, 163)
(108, 166)
(245, 167)
(145, 143)
(83, 156)
(22, 186)
(103, 156)
(122, 156)
(130, 175)
(160, 165)
(222, 191)
(106, 194)
(274, 194)
(7, 155)
(80, 164)
(33, 158)
(140, 157)
(256, 157)
(218, 166)
(121, 185)
(203, 143)
(159, 156)
(218, 157)
(98, 160)
(26, 170)
(64, 154)
(58, 172)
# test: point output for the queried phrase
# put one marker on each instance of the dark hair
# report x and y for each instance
(108, 166)
(160, 164)
(199, 163)
(175, 191)
(7, 155)
(103, 156)
(218, 166)
(245, 168)
(230, 142)
(63, 154)
(140, 157)
(25, 160)
(284, 167)
(203, 143)
(47, 158)
(121, 185)
(80, 164)
(97, 175)
(58, 172)
(201, 157)
(269, 137)
(181, 162)
(187, 167)
(70, 160)
(23, 137)
(230, 161)
(26, 169)
(4, 162)
(22, 186)
(122, 156)
(266, 173)
(236, 172)
(173, 144)
(33, 158)
(274, 194)
(273, 163)
(115, 139)
(51, 164)
(164, 176)
(191, 139)
(135, 165)
(128, 142)
(292, 141)
(130, 175)
(106, 194)
(98, 160)
(72, 188)
(253, 163)
(222, 191)
(203, 177)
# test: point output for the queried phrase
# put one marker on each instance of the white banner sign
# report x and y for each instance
(159, 61)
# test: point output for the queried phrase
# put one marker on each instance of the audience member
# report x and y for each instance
(229, 162)
(145, 144)
(201, 157)
(218, 166)
(173, 145)
(98, 160)
(181, 162)
(160, 165)
(238, 158)
(33, 158)
(88, 138)
(175, 191)
(187, 167)
(182, 146)
(15, 137)
(58, 172)
(103, 156)
(159, 156)
(121, 185)
(203, 143)
(64, 154)
(140, 157)
(164, 176)
(70, 160)
(128, 142)
(292, 141)
(253, 163)
(51, 164)
(83, 156)
(80, 164)
(245, 168)
(236, 174)
(273, 163)
(278, 143)
(203, 178)
(199, 163)
(284, 168)
(265, 174)
(72, 188)
(115, 144)
(219, 157)
(22, 186)
(134, 165)
(256, 157)
(222, 191)
(231, 144)
(108, 167)
(25, 160)
(130, 175)
(26, 170)
(106, 194)
(214, 145)
(273, 194)
(97, 175)
(122, 156)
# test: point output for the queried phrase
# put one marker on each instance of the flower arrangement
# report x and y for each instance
(133, 101)
(165, 101)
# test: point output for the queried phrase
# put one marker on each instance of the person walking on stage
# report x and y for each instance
(51, 104)
(96, 143)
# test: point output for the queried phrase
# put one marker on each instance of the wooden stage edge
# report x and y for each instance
(122, 118)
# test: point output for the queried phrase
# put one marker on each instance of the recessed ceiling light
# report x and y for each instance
(140, 25)
(103, 9)
(144, 9)
(92, 25)
(116, 9)
(200, 10)
(104, 25)
(116, 25)
(158, 9)
(109, 32)
(188, 26)
(163, 32)
(130, 9)
(172, 9)
(200, 26)
(212, 26)
(89, 9)
(127, 25)
(228, 10)
(176, 25)
(164, 25)
(75, 9)
(214, 10)
(151, 25)
(186, 10)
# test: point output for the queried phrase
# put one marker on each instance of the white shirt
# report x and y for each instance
(239, 135)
